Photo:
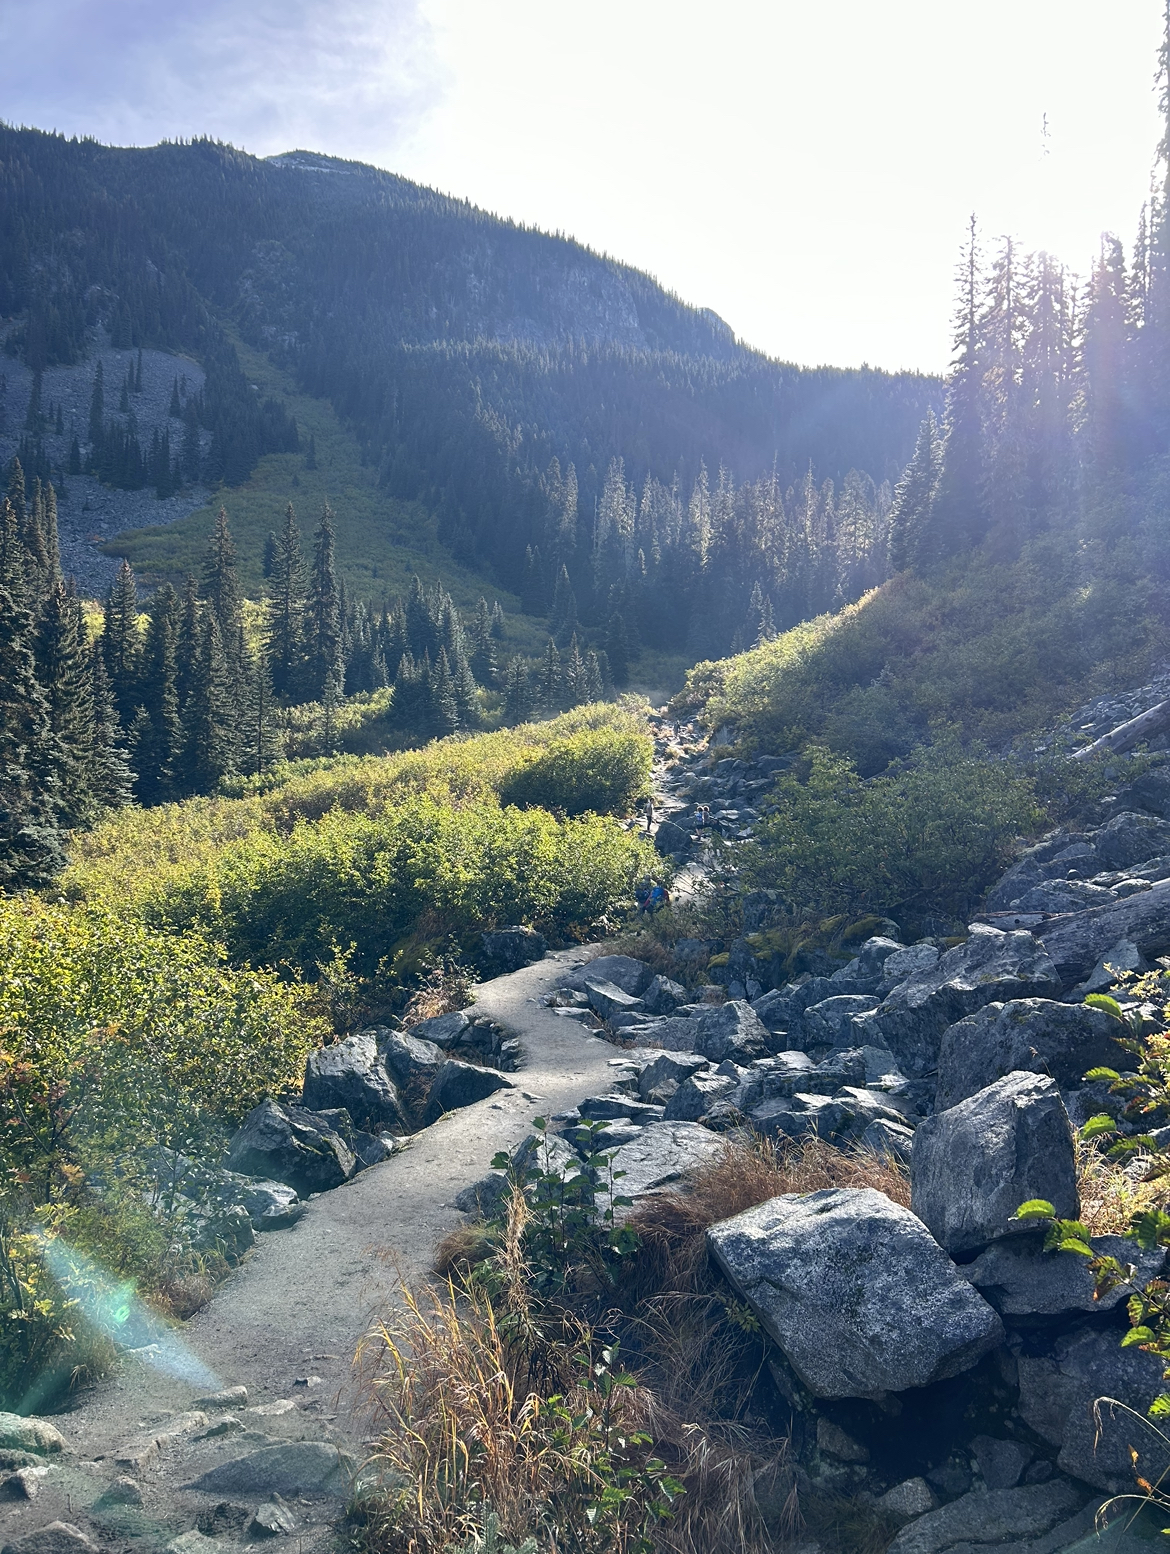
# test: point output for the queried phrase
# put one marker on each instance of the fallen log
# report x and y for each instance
(1127, 735)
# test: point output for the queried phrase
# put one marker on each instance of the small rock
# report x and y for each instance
(660, 1079)
(1029, 1285)
(731, 1030)
(1036, 1035)
(695, 1097)
(293, 1145)
(1001, 1463)
(444, 1030)
(462, 1084)
(606, 999)
(888, 1139)
(309, 1381)
(1123, 956)
(913, 1497)
(834, 1442)
(632, 976)
(226, 1424)
(663, 996)
(485, 1198)
(21, 1433)
(123, 1491)
(23, 1484)
(55, 1538)
(224, 1517)
(662, 1156)
(229, 1397)
(997, 1517)
(274, 1409)
(412, 1061)
(273, 1519)
(193, 1542)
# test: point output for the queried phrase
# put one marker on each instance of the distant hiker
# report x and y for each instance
(649, 813)
(703, 816)
(642, 893)
(658, 898)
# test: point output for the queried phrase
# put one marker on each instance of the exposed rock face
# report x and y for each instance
(445, 1030)
(1151, 792)
(1027, 1284)
(462, 1084)
(1078, 943)
(352, 1074)
(632, 976)
(1057, 1394)
(855, 1291)
(607, 999)
(670, 838)
(507, 949)
(695, 1097)
(292, 1145)
(663, 996)
(1036, 1034)
(830, 1022)
(974, 1165)
(903, 964)
(660, 1079)
(995, 1518)
(293, 1468)
(989, 967)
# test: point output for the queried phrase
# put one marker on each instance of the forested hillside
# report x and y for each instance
(551, 407)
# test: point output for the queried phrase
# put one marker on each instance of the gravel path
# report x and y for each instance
(300, 1304)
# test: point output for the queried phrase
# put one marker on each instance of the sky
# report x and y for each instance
(806, 168)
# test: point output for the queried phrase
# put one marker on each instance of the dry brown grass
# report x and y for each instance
(1111, 1193)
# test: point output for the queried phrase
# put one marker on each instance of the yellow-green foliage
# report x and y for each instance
(995, 648)
(111, 1031)
(923, 841)
(602, 771)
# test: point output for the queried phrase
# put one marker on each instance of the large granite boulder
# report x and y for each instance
(292, 1145)
(697, 1094)
(661, 1156)
(411, 1061)
(855, 1291)
(904, 964)
(1151, 792)
(974, 1165)
(1077, 943)
(731, 1030)
(632, 976)
(662, 996)
(1130, 839)
(1029, 1285)
(1058, 1393)
(507, 949)
(445, 1030)
(988, 967)
(782, 1009)
(670, 838)
(606, 999)
(992, 1519)
(661, 1078)
(1036, 1034)
(353, 1074)
(462, 1084)
(830, 1023)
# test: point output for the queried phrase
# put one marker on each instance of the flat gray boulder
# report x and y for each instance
(991, 1518)
(607, 999)
(855, 1291)
(1057, 1394)
(662, 1156)
(54, 1538)
(670, 838)
(25, 1432)
(445, 1030)
(292, 1145)
(352, 1073)
(661, 1078)
(1078, 943)
(1028, 1284)
(1027, 1034)
(412, 1061)
(989, 967)
(457, 1084)
(632, 976)
(731, 1030)
(507, 949)
(308, 1468)
(906, 963)
(974, 1165)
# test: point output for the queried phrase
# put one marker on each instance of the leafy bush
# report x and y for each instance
(924, 841)
(602, 772)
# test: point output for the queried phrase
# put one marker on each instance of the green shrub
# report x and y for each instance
(603, 772)
(918, 843)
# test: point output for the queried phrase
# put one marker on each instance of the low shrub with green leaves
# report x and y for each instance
(920, 842)
(598, 771)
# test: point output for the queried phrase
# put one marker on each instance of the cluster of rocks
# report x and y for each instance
(699, 794)
(247, 1472)
(965, 1064)
(360, 1099)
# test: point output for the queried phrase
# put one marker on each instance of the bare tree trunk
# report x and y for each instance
(1127, 735)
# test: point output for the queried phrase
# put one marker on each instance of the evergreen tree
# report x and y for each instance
(269, 562)
(260, 741)
(617, 648)
(30, 756)
(594, 688)
(563, 617)
(175, 408)
(422, 627)
(444, 707)
(498, 624)
(960, 514)
(912, 516)
(188, 645)
(326, 664)
(573, 691)
(311, 455)
(120, 643)
(483, 657)
(285, 634)
(517, 692)
(221, 587)
(191, 454)
(138, 373)
(157, 741)
(62, 668)
(549, 684)
(209, 743)
(109, 771)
